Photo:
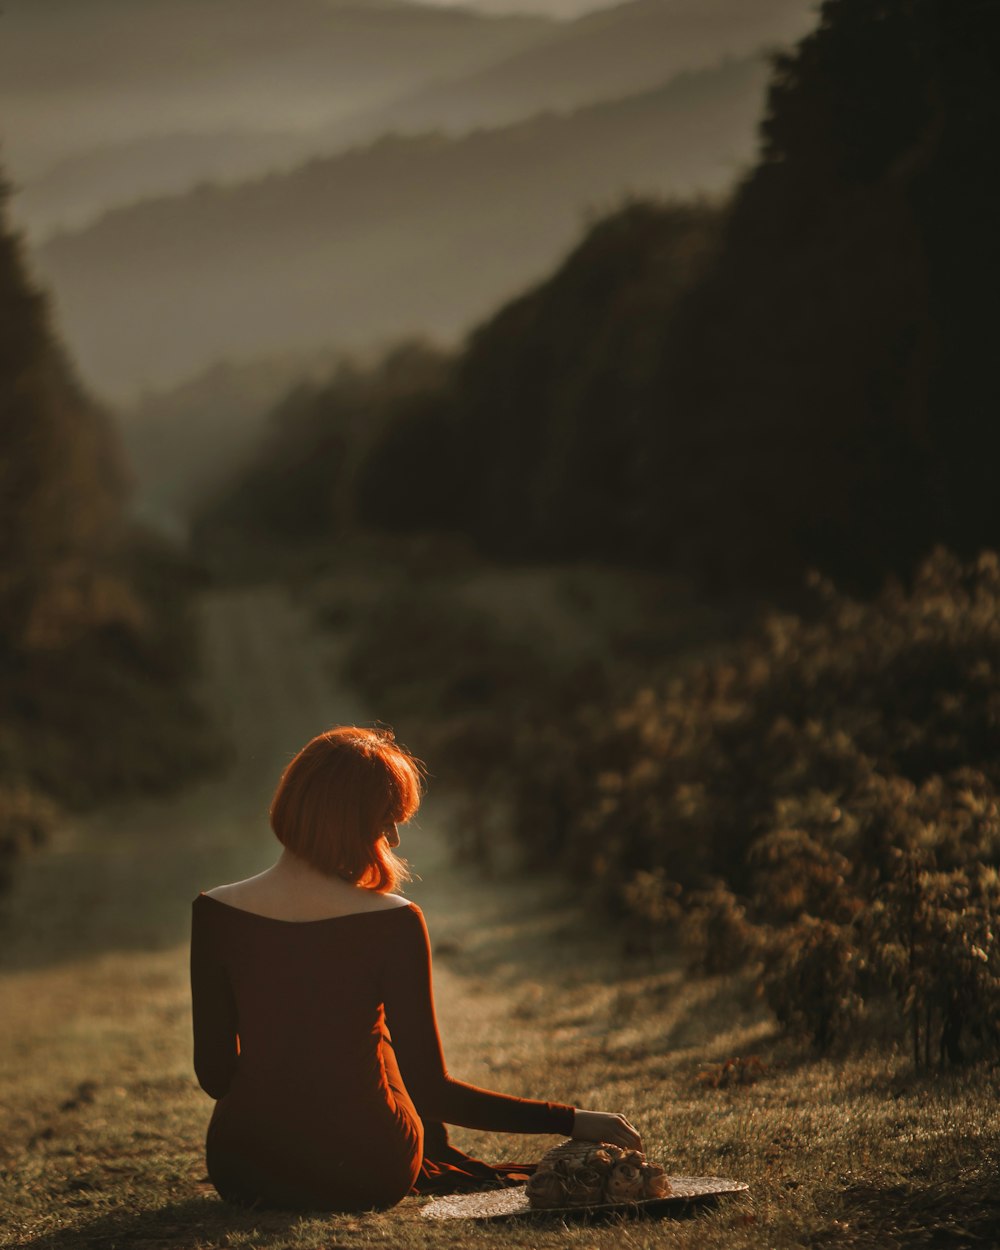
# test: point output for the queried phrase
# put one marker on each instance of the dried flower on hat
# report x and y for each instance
(625, 1182)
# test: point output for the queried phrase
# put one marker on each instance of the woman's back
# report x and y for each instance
(319, 1040)
(303, 990)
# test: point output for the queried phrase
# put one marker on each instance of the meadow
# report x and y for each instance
(103, 1122)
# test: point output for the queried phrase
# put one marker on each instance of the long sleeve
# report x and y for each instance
(410, 1014)
(213, 1013)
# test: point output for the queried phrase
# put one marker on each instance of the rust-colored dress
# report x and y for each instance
(319, 1106)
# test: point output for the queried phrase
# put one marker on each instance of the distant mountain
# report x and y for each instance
(109, 102)
(604, 55)
(420, 234)
(80, 74)
(79, 188)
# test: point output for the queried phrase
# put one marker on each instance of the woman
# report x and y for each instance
(314, 1023)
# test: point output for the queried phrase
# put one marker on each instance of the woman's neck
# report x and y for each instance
(294, 870)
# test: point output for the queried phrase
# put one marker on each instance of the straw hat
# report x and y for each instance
(513, 1202)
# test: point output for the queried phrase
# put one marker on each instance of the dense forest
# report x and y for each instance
(801, 378)
(97, 649)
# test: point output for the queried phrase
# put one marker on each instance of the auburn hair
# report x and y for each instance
(336, 797)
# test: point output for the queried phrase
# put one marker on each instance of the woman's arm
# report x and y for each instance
(213, 1013)
(409, 1007)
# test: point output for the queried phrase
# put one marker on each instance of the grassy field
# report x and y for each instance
(102, 1123)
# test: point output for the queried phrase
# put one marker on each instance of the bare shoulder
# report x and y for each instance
(230, 892)
(265, 895)
(218, 891)
(394, 900)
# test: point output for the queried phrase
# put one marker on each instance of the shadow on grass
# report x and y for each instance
(945, 1214)
(714, 1005)
(896, 1079)
(668, 1210)
(202, 1221)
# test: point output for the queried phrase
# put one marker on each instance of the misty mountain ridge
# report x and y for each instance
(409, 234)
(603, 55)
(80, 188)
(527, 69)
(78, 76)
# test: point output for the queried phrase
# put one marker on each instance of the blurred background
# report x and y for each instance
(614, 387)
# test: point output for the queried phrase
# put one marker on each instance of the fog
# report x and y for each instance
(221, 181)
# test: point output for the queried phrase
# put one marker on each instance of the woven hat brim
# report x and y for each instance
(513, 1203)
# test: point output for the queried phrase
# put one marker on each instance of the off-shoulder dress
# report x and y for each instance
(319, 1041)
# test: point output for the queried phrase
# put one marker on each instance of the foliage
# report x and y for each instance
(95, 642)
(827, 793)
(109, 709)
(798, 380)
(416, 440)
(62, 480)
(301, 481)
(811, 980)
(551, 390)
(931, 934)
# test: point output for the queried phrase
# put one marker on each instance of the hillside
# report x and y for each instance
(81, 75)
(604, 55)
(80, 187)
(96, 649)
(425, 233)
(256, 117)
(802, 381)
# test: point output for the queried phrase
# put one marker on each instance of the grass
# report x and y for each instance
(102, 1123)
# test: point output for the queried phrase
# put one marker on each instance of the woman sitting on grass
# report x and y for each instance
(299, 976)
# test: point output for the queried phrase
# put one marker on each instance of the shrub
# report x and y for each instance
(826, 793)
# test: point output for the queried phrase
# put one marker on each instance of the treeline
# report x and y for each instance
(802, 378)
(96, 648)
(821, 802)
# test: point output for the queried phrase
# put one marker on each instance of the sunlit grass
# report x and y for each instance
(102, 1123)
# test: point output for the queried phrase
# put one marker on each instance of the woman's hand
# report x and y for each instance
(605, 1126)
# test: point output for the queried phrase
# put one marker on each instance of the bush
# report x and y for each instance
(826, 794)
(26, 820)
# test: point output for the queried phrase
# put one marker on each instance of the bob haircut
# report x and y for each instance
(336, 797)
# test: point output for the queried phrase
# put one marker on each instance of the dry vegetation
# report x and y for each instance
(103, 1122)
(97, 651)
(815, 799)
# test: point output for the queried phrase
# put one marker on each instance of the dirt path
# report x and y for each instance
(100, 1106)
